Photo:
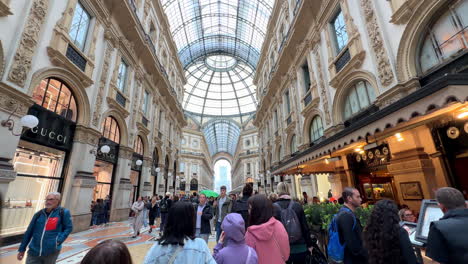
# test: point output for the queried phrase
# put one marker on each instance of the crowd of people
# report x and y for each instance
(259, 229)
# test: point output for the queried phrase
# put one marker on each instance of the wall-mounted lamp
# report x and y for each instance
(104, 150)
(157, 170)
(138, 162)
(399, 137)
(169, 174)
(28, 121)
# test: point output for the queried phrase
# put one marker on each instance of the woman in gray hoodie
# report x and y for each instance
(231, 247)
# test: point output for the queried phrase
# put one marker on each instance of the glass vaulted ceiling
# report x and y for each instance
(219, 43)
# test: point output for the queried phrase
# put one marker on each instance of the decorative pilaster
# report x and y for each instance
(383, 63)
(102, 86)
(22, 61)
(321, 84)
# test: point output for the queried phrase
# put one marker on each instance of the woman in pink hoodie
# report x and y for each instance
(266, 234)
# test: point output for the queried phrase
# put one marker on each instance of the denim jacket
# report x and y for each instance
(194, 251)
(47, 233)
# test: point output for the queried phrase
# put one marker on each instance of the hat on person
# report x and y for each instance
(168, 193)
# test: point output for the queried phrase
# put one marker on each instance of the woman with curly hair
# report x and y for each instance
(384, 239)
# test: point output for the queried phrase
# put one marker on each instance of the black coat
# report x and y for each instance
(153, 210)
(407, 255)
(241, 207)
(447, 241)
(283, 204)
(354, 250)
(206, 216)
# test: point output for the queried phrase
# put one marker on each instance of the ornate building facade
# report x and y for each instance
(371, 94)
(104, 80)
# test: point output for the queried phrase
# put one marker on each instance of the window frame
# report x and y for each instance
(116, 128)
(122, 84)
(293, 143)
(436, 47)
(87, 32)
(316, 131)
(333, 31)
(368, 87)
(57, 101)
(145, 105)
(288, 102)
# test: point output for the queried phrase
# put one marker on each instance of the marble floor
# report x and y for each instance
(78, 244)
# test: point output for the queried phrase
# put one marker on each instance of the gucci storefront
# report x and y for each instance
(104, 167)
(42, 155)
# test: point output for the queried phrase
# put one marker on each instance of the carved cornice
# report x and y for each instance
(4, 8)
(11, 98)
(355, 63)
(125, 152)
(404, 12)
(86, 135)
(114, 105)
(22, 60)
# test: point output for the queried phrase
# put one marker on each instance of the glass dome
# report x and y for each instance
(219, 86)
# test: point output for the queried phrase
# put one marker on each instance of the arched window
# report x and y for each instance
(316, 129)
(360, 96)
(293, 144)
(138, 146)
(54, 95)
(194, 185)
(447, 36)
(111, 129)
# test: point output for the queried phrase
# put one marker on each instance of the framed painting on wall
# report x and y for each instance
(411, 191)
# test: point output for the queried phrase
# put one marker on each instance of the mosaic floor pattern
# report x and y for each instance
(78, 244)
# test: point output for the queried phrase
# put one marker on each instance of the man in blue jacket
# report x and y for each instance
(47, 231)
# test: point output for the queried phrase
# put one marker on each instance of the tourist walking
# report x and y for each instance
(153, 212)
(108, 252)
(349, 230)
(164, 207)
(137, 208)
(46, 232)
(100, 211)
(178, 243)
(292, 216)
(204, 214)
(447, 241)
(92, 208)
(107, 209)
(222, 207)
(385, 240)
(265, 234)
(146, 209)
(231, 247)
(241, 206)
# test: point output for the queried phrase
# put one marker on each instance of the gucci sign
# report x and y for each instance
(53, 130)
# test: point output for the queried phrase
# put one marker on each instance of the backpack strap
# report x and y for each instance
(343, 209)
(291, 203)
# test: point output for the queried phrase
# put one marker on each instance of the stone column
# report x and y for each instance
(307, 185)
(122, 185)
(338, 181)
(145, 183)
(80, 181)
(413, 165)
(10, 99)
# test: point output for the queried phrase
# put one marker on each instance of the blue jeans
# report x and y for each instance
(202, 236)
(218, 231)
(145, 218)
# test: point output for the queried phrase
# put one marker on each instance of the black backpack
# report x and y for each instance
(291, 223)
(164, 206)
